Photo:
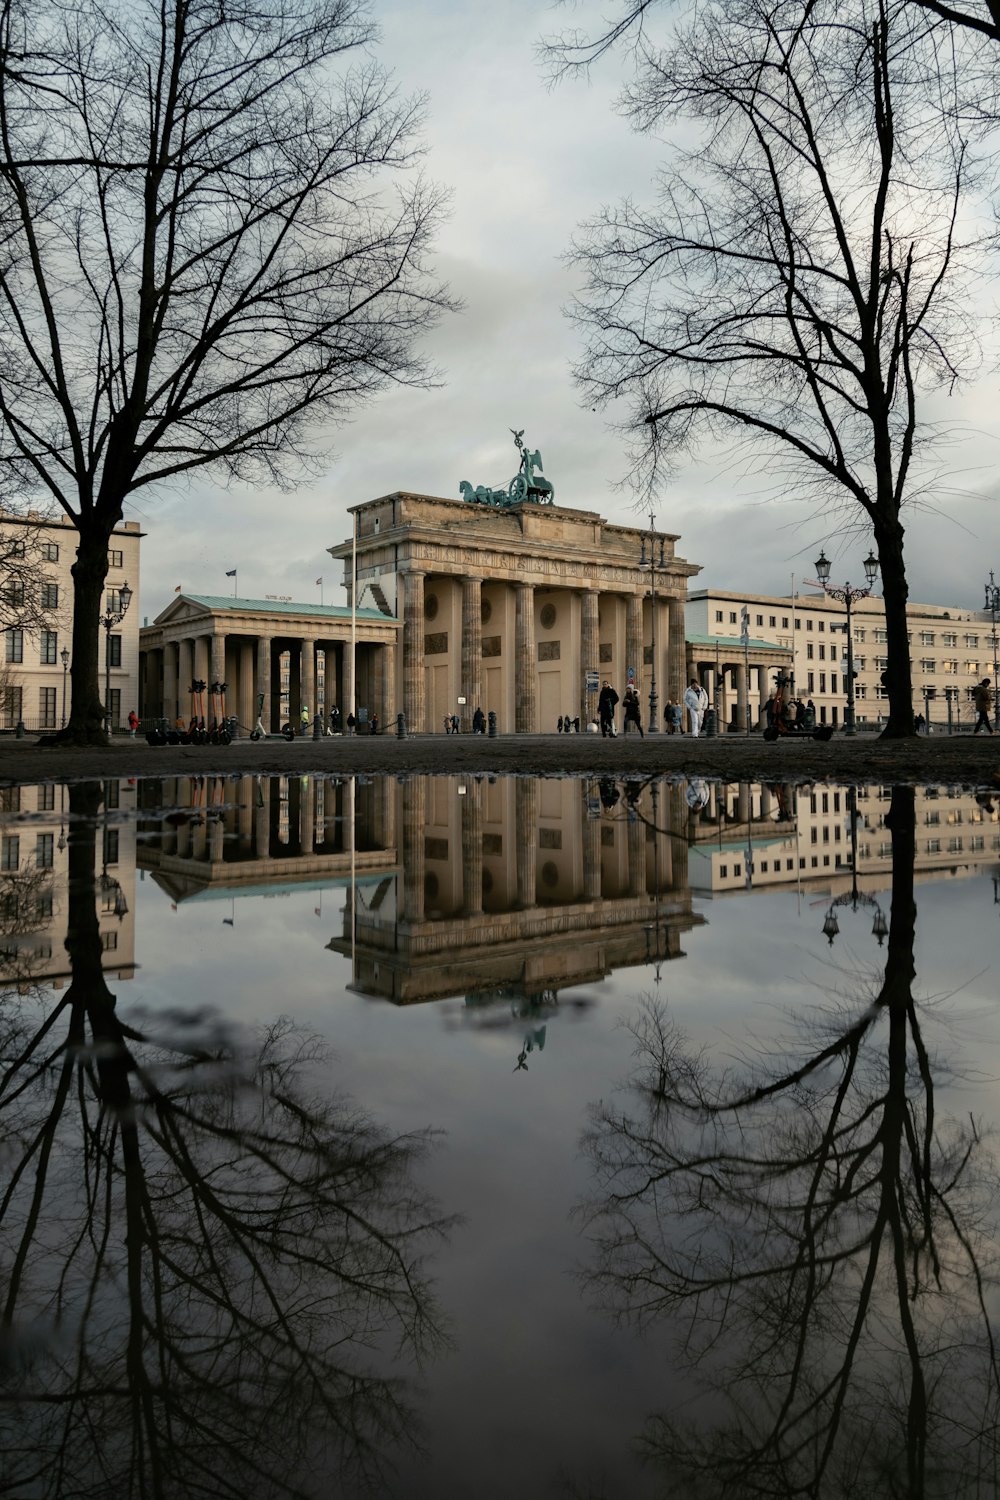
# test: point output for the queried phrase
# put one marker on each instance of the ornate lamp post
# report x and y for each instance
(847, 596)
(112, 617)
(854, 898)
(64, 658)
(993, 605)
(653, 565)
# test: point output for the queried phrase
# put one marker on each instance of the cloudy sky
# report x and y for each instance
(525, 165)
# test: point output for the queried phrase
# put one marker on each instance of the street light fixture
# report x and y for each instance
(993, 605)
(854, 898)
(112, 617)
(653, 565)
(847, 596)
(64, 658)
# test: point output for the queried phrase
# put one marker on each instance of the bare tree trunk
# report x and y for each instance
(898, 677)
(86, 726)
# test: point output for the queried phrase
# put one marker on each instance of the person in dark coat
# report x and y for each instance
(606, 709)
(479, 722)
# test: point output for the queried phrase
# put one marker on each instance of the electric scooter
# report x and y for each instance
(258, 732)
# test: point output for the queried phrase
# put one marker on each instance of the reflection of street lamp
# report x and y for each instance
(64, 657)
(653, 564)
(112, 617)
(854, 898)
(847, 596)
(993, 605)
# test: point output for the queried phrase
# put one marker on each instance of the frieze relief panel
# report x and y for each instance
(508, 566)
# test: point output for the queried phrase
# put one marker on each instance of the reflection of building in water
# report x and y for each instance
(256, 834)
(520, 888)
(781, 834)
(34, 872)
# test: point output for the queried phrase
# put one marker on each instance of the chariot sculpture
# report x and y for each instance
(527, 484)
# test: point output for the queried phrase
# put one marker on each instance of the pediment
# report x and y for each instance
(180, 610)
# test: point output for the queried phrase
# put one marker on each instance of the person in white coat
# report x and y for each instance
(696, 702)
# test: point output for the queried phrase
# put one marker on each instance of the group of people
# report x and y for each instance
(695, 703)
(453, 726)
(793, 714)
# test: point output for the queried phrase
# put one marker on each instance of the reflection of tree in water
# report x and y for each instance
(204, 1264)
(823, 1243)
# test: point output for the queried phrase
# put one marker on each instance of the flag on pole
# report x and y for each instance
(231, 573)
(177, 589)
(319, 583)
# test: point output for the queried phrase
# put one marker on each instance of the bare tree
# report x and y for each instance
(209, 1265)
(821, 1240)
(798, 285)
(213, 237)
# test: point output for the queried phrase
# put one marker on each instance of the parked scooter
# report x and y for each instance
(258, 732)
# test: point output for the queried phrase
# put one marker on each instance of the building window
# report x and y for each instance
(926, 664)
(926, 638)
(810, 682)
(43, 851)
(860, 691)
(822, 682)
(718, 616)
(47, 796)
(760, 619)
(809, 624)
(47, 707)
(115, 650)
(772, 621)
(798, 624)
(112, 602)
(949, 640)
(724, 872)
(50, 596)
(17, 549)
(114, 559)
(978, 844)
(50, 551)
(859, 634)
(972, 667)
(882, 662)
(15, 645)
(784, 622)
(859, 663)
(10, 707)
(809, 651)
(950, 666)
(10, 852)
(821, 625)
(111, 846)
(933, 846)
(114, 705)
(109, 941)
(732, 617)
(822, 651)
(881, 636)
(15, 592)
(49, 648)
(972, 640)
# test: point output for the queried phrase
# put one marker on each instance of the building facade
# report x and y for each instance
(951, 649)
(521, 611)
(37, 688)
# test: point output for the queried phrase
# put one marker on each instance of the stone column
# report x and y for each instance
(472, 850)
(185, 672)
(637, 857)
(589, 652)
(765, 802)
(743, 810)
(243, 702)
(216, 840)
(414, 822)
(308, 681)
(217, 662)
(525, 663)
(392, 699)
(413, 659)
(591, 856)
(526, 824)
(472, 649)
(763, 690)
(676, 810)
(676, 650)
(740, 673)
(633, 638)
(170, 682)
(263, 682)
(307, 816)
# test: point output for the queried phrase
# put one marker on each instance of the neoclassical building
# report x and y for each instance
(519, 610)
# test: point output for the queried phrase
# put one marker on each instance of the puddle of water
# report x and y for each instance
(359, 1128)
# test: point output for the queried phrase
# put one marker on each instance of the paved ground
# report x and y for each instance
(959, 760)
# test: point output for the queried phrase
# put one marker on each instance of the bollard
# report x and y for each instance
(400, 726)
(711, 724)
(317, 727)
(19, 732)
(492, 722)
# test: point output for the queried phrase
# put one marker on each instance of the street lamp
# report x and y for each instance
(653, 565)
(993, 605)
(854, 898)
(112, 617)
(847, 596)
(64, 657)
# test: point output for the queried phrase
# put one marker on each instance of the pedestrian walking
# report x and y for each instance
(632, 710)
(479, 722)
(334, 720)
(133, 722)
(983, 700)
(606, 709)
(304, 716)
(696, 702)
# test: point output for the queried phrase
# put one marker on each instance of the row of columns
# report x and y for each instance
(526, 650)
(706, 672)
